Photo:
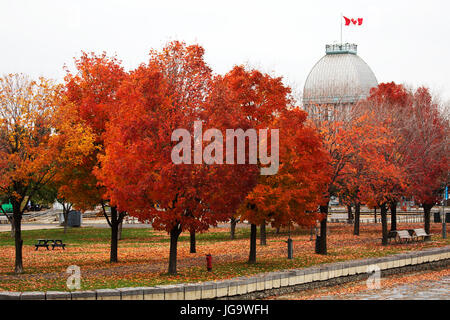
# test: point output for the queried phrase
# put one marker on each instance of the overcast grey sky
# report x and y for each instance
(402, 41)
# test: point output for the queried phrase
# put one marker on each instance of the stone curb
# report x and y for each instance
(58, 295)
(84, 295)
(247, 286)
(35, 295)
(6, 295)
(108, 294)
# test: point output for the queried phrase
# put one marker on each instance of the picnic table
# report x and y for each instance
(49, 242)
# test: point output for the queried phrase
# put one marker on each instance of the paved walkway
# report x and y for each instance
(424, 290)
(95, 223)
(31, 226)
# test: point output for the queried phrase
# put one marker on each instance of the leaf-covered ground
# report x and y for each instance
(143, 255)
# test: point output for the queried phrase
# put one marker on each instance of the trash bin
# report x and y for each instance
(74, 219)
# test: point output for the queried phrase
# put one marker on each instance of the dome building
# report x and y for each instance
(341, 77)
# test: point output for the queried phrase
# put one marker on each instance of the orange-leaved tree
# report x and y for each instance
(427, 156)
(293, 195)
(36, 141)
(91, 95)
(380, 149)
(258, 101)
(390, 105)
(334, 134)
(171, 92)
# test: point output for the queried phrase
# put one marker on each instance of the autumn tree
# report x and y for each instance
(91, 97)
(414, 145)
(391, 105)
(258, 101)
(255, 100)
(292, 195)
(34, 143)
(427, 154)
(383, 175)
(382, 149)
(138, 167)
(341, 132)
(333, 131)
(226, 112)
(348, 184)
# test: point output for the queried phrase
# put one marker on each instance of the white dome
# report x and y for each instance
(340, 76)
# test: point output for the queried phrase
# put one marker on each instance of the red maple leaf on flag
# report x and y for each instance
(349, 21)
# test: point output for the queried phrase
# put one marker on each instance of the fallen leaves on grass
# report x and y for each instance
(145, 262)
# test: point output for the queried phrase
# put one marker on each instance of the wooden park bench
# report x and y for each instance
(392, 235)
(130, 220)
(45, 243)
(404, 235)
(420, 233)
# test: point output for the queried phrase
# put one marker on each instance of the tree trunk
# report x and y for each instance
(375, 214)
(384, 226)
(357, 218)
(17, 220)
(349, 214)
(66, 209)
(277, 231)
(252, 256)
(321, 241)
(262, 234)
(174, 234)
(192, 238)
(13, 229)
(114, 234)
(66, 217)
(233, 228)
(119, 230)
(393, 206)
(427, 216)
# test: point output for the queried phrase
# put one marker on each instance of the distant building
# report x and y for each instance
(340, 78)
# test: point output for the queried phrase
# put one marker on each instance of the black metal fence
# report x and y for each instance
(402, 217)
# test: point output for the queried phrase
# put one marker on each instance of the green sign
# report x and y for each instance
(7, 208)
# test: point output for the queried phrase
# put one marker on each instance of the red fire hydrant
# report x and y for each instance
(209, 262)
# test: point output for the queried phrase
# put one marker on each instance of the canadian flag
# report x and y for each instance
(348, 21)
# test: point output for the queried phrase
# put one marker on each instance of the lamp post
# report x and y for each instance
(290, 246)
(444, 222)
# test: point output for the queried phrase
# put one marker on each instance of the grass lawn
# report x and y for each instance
(143, 255)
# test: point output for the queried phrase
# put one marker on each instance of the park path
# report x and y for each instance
(422, 285)
(29, 226)
(422, 290)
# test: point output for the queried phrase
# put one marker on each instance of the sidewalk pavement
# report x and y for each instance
(29, 226)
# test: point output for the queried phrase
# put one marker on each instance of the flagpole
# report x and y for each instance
(341, 26)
